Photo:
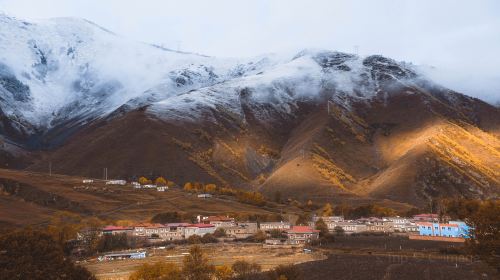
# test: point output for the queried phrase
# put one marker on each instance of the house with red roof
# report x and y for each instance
(217, 221)
(301, 234)
(117, 230)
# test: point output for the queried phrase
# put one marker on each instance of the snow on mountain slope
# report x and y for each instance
(67, 69)
(309, 76)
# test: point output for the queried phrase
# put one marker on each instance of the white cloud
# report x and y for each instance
(460, 38)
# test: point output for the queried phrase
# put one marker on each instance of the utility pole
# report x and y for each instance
(105, 173)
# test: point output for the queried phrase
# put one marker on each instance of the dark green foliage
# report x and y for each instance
(167, 217)
(34, 255)
(112, 242)
(209, 238)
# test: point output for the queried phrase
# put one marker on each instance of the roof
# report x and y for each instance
(426, 216)
(302, 229)
(117, 228)
(177, 224)
(427, 224)
(110, 228)
(149, 225)
(201, 225)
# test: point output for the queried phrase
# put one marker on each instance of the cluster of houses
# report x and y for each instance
(422, 224)
(135, 185)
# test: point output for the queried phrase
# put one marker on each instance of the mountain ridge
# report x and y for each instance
(320, 124)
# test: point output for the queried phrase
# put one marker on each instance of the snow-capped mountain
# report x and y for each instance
(318, 122)
(66, 69)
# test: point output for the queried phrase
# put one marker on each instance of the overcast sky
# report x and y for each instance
(461, 39)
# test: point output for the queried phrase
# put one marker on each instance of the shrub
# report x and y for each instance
(31, 254)
(195, 265)
(194, 239)
(159, 270)
(209, 238)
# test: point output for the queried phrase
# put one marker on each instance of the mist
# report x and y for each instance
(458, 41)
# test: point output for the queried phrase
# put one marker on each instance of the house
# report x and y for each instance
(330, 221)
(217, 221)
(175, 231)
(241, 230)
(377, 224)
(451, 229)
(149, 186)
(301, 234)
(116, 182)
(88, 181)
(198, 229)
(268, 226)
(352, 227)
(117, 230)
(162, 188)
(123, 255)
(204, 195)
(426, 218)
(402, 224)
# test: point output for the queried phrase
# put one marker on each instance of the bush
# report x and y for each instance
(288, 272)
(245, 270)
(159, 270)
(35, 255)
(220, 232)
(194, 239)
(209, 238)
(195, 265)
(166, 217)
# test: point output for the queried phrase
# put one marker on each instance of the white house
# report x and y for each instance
(198, 229)
(161, 189)
(268, 226)
(116, 182)
(204, 195)
(88, 181)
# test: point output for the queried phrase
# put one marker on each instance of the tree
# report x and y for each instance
(277, 197)
(196, 266)
(339, 230)
(144, 181)
(327, 210)
(259, 236)
(166, 217)
(31, 254)
(157, 271)
(210, 188)
(288, 272)
(485, 233)
(223, 272)
(209, 238)
(64, 226)
(188, 187)
(160, 181)
(194, 239)
(111, 242)
(276, 233)
(322, 227)
(245, 270)
(303, 219)
(220, 232)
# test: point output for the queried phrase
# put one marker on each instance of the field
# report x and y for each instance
(29, 198)
(393, 257)
(219, 254)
